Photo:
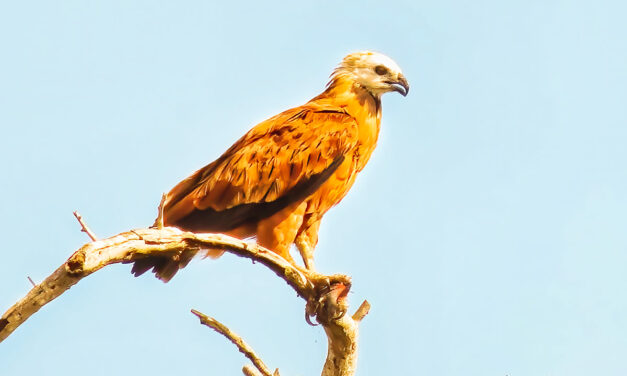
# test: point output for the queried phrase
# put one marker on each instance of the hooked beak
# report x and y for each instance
(401, 85)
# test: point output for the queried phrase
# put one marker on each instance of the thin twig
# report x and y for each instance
(243, 347)
(252, 371)
(159, 221)
(362, 311)
(84, 227)
(31, 281)
(249, 370)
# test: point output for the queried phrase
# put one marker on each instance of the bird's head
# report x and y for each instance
(374, 72)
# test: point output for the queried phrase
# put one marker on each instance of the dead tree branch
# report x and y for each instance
(84, 227)
(242, 346)
(325, 295)
(159, 221)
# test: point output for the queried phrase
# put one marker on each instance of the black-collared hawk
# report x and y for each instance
(276, 182)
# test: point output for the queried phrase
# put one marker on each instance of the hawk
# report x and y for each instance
(276, 182)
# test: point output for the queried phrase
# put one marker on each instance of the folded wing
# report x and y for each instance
(277, 163)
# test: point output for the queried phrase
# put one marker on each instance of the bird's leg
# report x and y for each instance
(306, 252)
(327, 300)
(278, 231)
(306, 242)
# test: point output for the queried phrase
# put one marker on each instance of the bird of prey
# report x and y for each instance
(276, 182)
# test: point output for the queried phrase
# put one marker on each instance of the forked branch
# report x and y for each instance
(242, 346)
(325, 295)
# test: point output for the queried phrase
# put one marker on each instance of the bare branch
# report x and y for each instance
(252, 371)
(159, 220)
(325, 295)
(362, 311)
(249, 370)
(84, 227)
(128, 247)
(242, 346)
(31, 281)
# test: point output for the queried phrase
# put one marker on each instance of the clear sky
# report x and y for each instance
(488, 231)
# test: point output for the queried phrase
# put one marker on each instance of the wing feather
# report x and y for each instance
(281, 160)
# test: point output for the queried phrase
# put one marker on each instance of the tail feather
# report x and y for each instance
(164, 267)
(141, 266)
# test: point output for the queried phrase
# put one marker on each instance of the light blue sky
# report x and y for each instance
(488, 231)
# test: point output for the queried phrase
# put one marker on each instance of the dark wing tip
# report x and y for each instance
(210, 220)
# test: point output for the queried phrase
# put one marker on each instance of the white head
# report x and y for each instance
(374, 72)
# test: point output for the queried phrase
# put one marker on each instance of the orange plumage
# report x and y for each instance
(278, 180)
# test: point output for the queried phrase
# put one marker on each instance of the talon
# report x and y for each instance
(308, 319)
(342, 313)
(311, 309)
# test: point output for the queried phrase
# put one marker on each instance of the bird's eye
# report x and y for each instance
(381, 70)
